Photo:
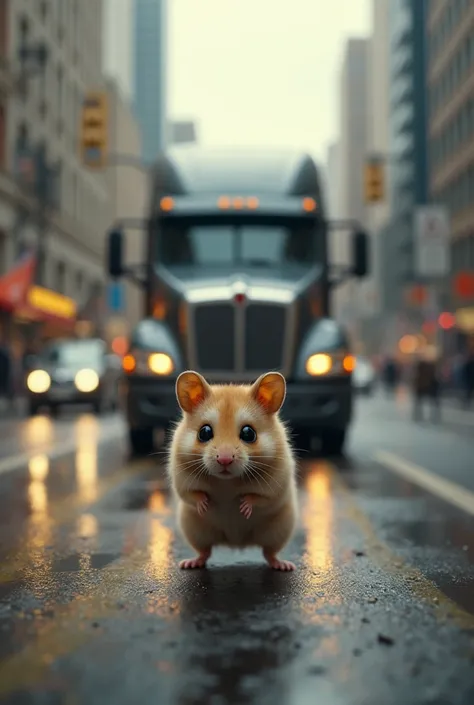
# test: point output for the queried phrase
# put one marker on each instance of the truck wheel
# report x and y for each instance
(32, 408)
(141, 441)
(332, 441)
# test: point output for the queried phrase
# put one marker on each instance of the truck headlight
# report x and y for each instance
(86, 381)
(160, 364)
(141, 362)
(321, 364)
(38, 381)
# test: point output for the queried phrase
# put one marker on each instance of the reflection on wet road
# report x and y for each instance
(93, 608)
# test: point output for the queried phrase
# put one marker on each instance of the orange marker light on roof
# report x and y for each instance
(223, 202)
(252, 203)
(238, 203)
(166, 203)
(309, 204)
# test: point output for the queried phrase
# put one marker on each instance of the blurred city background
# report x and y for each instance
(95, 95)
(379, 92)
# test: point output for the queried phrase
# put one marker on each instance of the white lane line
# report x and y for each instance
(449, 491)
(14, 462)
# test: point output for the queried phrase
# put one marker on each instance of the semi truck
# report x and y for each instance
(236, 282)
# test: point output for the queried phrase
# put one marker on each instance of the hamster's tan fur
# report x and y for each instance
(251, 500)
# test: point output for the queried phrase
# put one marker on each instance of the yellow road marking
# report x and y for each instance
(459, 496)
(71, 626)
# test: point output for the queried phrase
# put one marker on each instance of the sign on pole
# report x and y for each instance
(115, 291)
(432, 239)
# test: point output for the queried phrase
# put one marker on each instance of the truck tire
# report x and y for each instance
(141, 441)
(32, 408)
(332, 441)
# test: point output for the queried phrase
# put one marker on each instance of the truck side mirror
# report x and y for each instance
(116, 253)
(360, 253)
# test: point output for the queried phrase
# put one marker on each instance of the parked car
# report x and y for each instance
(73, 372)
(364, 376)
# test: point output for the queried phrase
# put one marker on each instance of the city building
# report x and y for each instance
(408, 167)
(128, 188)
(451, 123)
(378, 143)
(352, 154)
(150, 62)
(182, 132)
(49, 204)
(118, 44)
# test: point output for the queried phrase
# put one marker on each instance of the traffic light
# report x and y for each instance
(94, 130)
(374, 182)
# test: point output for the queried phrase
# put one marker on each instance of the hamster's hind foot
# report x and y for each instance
(277, 563)
(197, 562)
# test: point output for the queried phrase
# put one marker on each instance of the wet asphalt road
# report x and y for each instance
(93, 608)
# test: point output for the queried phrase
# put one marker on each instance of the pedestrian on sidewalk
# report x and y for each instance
(426, 385)
(468, 376)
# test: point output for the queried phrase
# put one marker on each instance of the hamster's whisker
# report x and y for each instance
(189, 463)
(260, 474)
(263, 472)
(196, 474)
(251, 473)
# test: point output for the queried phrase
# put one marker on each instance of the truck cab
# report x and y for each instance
(236, 283)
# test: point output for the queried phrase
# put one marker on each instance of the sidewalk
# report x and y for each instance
(452, 408)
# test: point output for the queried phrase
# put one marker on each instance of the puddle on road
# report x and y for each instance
(143, 497)
(75, 562)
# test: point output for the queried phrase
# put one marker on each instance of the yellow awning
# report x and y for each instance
(51, 303)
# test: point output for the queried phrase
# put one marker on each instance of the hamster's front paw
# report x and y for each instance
(202, 504)
(246, 506)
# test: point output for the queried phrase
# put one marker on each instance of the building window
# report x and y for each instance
(79, 284)
(61, 277)
(60, 93)
(3, 131)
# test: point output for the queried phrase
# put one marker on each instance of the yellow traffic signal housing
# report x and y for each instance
(94, 130)
(374, 181)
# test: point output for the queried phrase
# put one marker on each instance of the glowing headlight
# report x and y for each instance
(86, 381)
(160, 364)
(38, 381)
(319, 364)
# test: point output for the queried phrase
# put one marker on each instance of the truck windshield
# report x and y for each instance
(259, 245)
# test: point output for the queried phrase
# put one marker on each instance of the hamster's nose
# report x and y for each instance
(225, 458)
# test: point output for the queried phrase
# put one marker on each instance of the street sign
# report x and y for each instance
(115, 296)
(432, 251)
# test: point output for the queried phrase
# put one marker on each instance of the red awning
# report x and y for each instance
(14, 285)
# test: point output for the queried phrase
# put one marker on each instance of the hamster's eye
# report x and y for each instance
(205, 434)
(248, 435)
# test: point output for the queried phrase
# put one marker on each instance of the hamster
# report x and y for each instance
(232, 468)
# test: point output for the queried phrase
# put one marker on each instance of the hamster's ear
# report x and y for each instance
(269, 391)
(191, 390)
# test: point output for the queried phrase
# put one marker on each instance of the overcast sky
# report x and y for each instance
(256, 71)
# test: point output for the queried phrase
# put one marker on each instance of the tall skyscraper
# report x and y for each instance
(408, 144)
(117, 44)
(150, 89)
(378, 142)
(352, 150)
(451, 124)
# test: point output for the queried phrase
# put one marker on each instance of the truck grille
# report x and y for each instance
(215, 336)
(264, 337)
(263, 347)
